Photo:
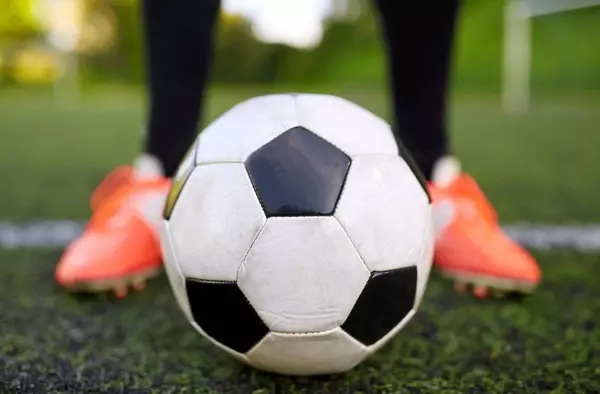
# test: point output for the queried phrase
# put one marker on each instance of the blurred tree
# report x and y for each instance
(19, 20)
(565, 47)
(99, 28)
(20, 26)
(122, 61)
(239, 57)
(350, 51)
(34, 32)
(347, 9)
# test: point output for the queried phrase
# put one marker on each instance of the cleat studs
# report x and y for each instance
(480, 291)
(120, 291)
(139, 285)
(461, 287)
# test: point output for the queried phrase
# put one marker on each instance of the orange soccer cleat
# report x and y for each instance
(471, 248)
(120, 246)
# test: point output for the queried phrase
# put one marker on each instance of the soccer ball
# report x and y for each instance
(296, 236)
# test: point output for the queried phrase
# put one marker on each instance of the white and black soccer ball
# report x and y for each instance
(296, 237)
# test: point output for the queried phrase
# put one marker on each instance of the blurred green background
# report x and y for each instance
(565, 49)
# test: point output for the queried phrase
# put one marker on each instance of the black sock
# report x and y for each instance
(179, 36)
(419, 36)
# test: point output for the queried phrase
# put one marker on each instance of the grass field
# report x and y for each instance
(539, 168)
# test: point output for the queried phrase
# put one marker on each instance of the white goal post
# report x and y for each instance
(517, 46)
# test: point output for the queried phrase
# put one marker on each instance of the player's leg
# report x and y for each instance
(419, 43)
(471, 247)
(120, 246)
(179, 48)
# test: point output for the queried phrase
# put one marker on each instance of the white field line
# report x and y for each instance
(57, 233)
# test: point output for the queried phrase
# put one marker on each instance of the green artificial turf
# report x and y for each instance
(541, 167)
(55, 342)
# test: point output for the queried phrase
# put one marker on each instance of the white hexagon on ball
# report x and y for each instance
(215, 220)
(246, 127)
(351, 128)
(326, 352)
(302, 274)
(384, 188)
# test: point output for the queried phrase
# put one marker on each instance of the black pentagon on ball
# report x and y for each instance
(385, 300)
(224, 313)
(298, 174)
